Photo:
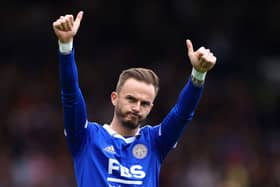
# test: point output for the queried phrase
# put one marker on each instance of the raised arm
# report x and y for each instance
(174, 123)
(74, 108)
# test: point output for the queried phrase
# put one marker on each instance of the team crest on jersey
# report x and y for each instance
(140, 151)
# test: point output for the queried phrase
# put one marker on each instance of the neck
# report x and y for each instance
(120, 129)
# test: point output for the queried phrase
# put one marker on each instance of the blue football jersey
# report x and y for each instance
(108, 159)
(102, 157)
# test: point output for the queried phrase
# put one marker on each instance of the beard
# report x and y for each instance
(129, 120)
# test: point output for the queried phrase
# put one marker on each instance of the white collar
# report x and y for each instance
(113, 133)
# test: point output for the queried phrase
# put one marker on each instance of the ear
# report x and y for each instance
(114, 98)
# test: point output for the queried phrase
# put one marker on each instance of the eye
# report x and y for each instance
(131, 99)
(145, 103)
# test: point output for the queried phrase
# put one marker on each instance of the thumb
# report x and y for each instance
(78, 20)
(189, 46)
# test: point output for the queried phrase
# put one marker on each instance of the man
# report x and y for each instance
(122, 154)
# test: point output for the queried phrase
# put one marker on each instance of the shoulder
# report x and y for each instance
(149, 130)
(146, 128)
(93, 126)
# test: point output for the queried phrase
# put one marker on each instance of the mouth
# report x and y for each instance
(134, 115)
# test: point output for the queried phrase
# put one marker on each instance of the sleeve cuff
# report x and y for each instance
(65, 48)
(198, 75)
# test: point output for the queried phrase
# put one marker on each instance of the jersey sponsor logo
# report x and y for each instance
(131, 173)
(140, 151)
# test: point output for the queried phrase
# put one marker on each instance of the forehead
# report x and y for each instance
(138, 89)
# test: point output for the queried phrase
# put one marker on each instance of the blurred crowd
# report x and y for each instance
(234, 139)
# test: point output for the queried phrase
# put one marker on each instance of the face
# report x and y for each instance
(133, 103)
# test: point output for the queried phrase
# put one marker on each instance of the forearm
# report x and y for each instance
(68, 69)
(188, 99)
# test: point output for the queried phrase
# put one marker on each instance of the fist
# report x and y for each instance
(65, 28)
(202, 60)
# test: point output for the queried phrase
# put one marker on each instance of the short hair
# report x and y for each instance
(140, 74)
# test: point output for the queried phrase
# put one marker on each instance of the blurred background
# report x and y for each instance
(234, 139)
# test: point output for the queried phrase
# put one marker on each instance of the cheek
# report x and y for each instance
(146, 111)
(124, 107)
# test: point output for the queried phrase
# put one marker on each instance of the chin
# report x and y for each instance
(131, 124)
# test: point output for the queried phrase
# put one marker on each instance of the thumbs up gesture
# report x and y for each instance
(202, 60)
(66, 27)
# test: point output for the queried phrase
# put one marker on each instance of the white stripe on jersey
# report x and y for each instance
(159, 131)
(65, 133)
(122, 181)
(86, 124)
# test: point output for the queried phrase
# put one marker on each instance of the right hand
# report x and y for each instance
(65, 28)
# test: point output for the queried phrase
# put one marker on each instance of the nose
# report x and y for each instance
(136, 107)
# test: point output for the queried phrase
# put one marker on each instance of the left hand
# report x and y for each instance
(202, 60)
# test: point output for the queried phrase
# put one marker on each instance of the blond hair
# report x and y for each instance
(139, 74)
